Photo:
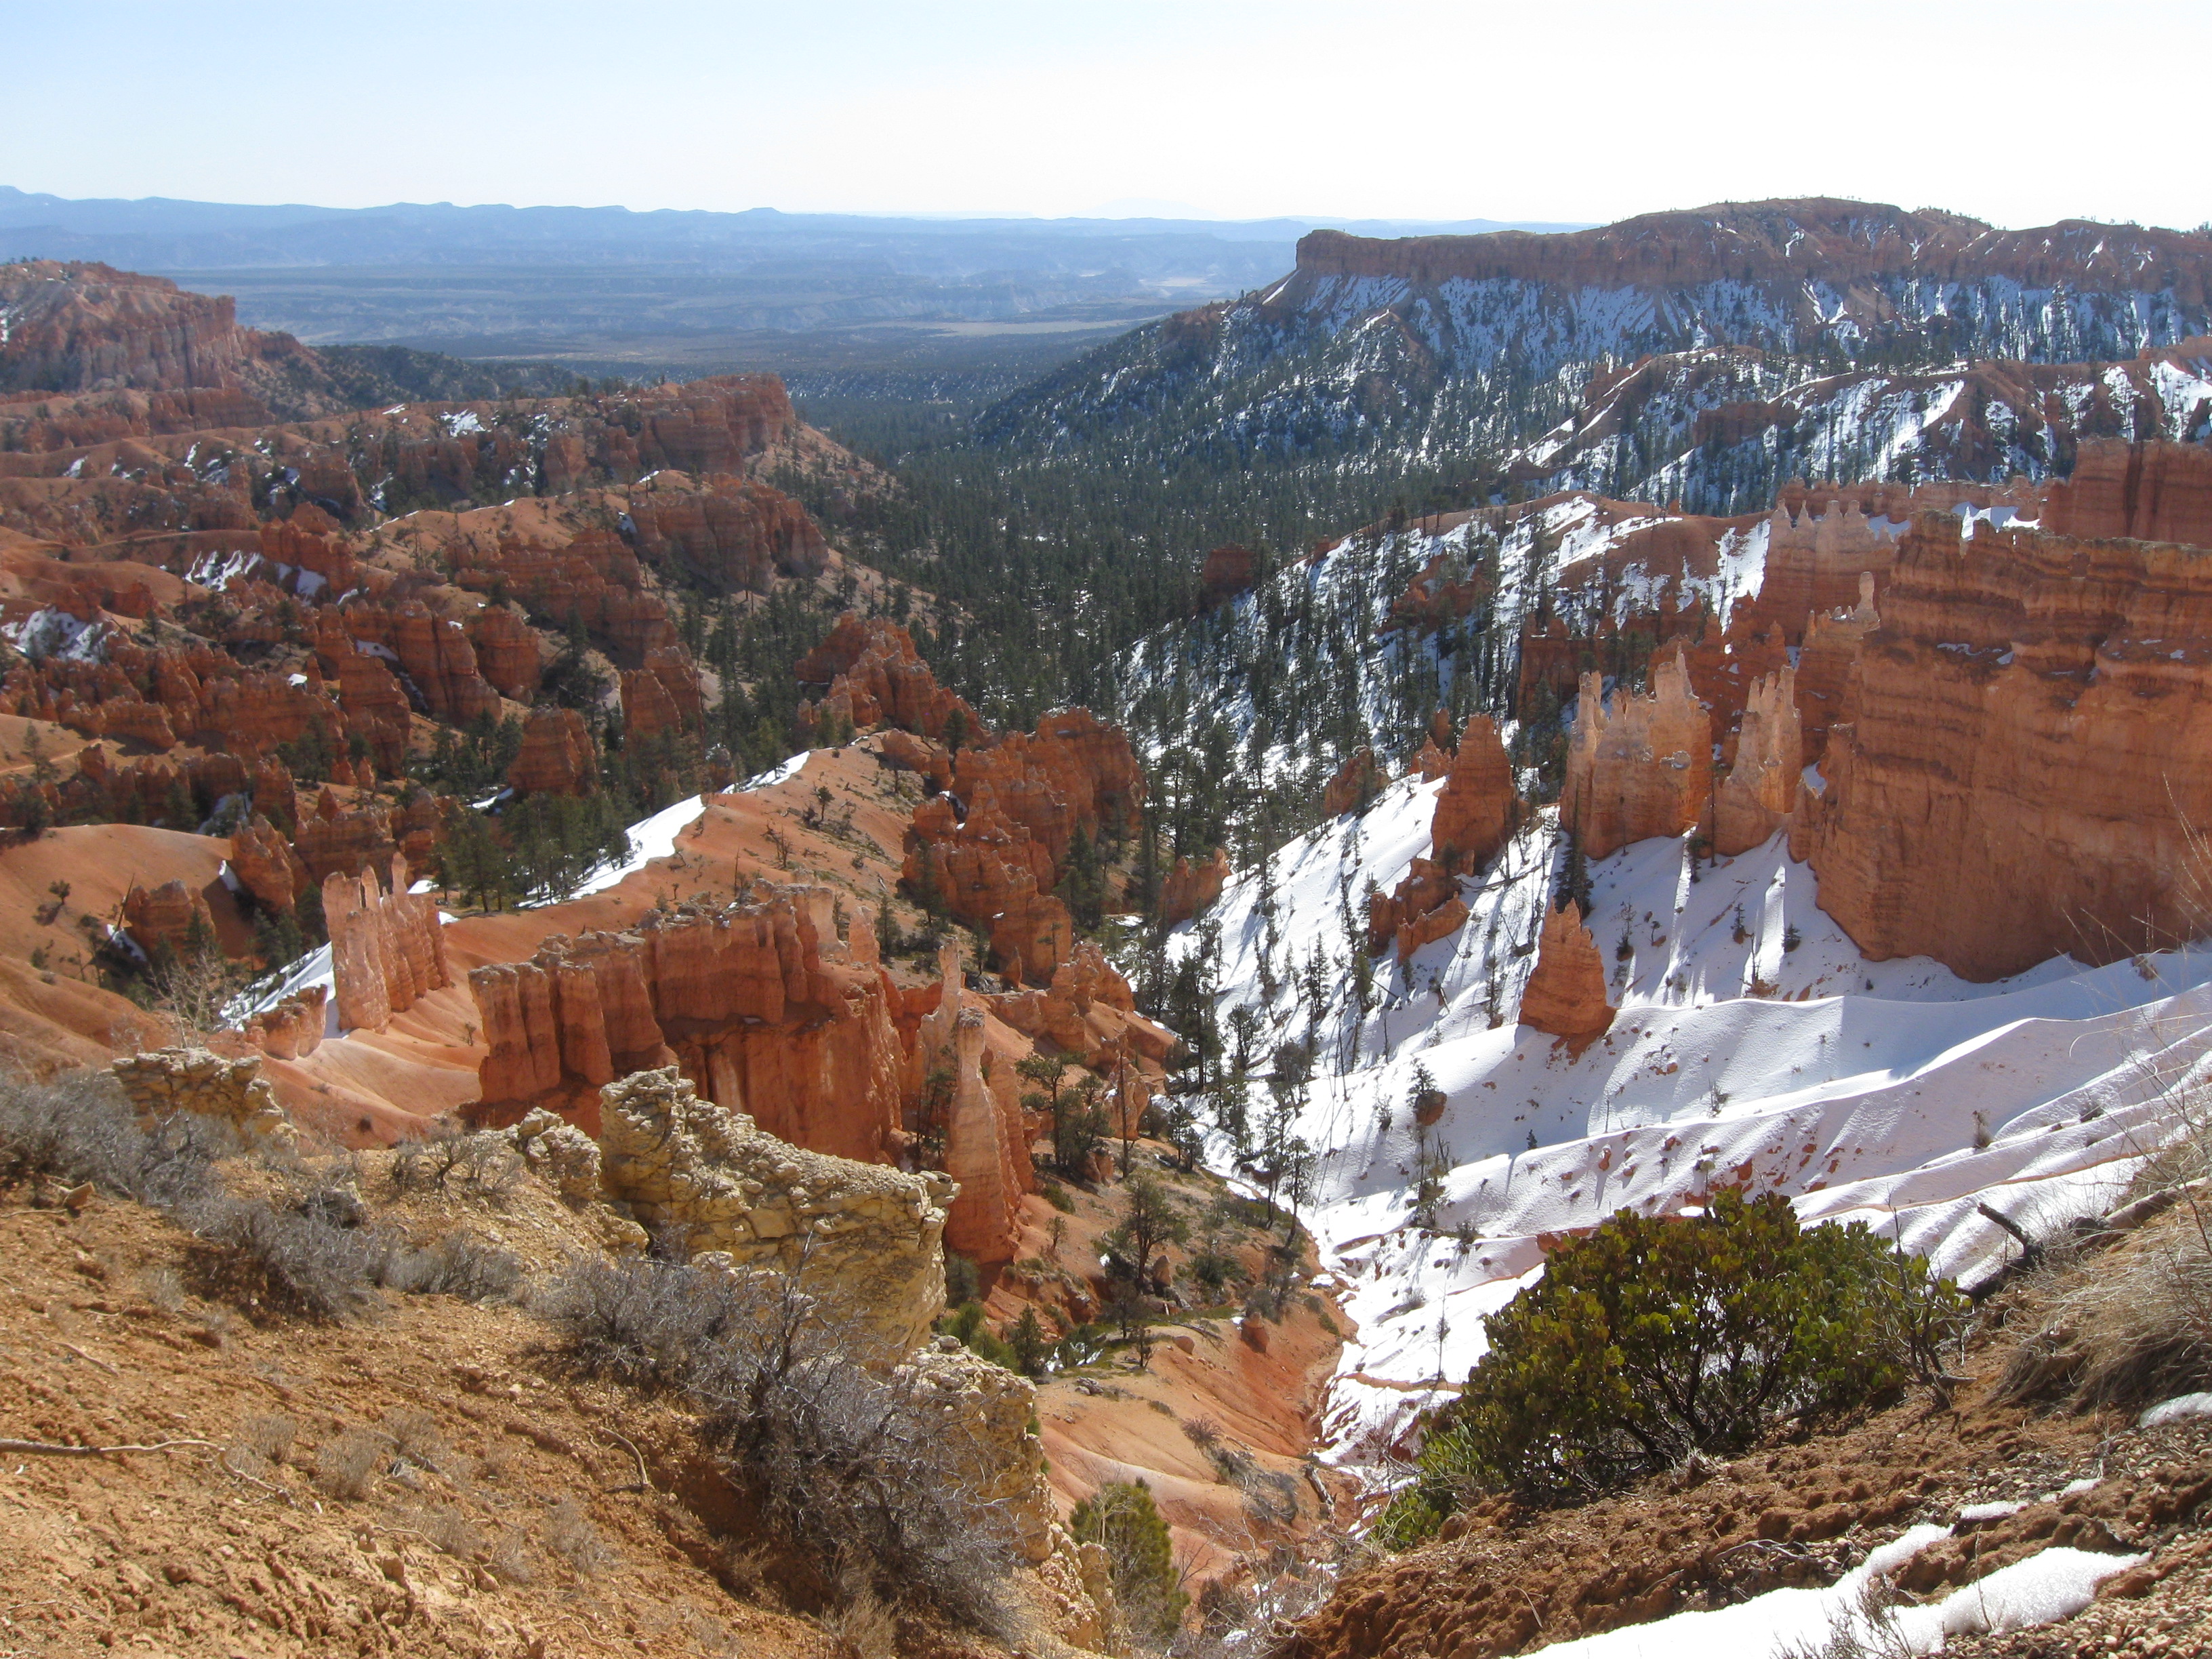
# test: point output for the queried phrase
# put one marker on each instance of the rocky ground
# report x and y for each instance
(417, 1482)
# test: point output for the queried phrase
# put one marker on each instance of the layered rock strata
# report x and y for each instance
(1643, 768)
(864, 1241)
(387, 945)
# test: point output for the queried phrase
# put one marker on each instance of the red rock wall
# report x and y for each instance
(764, 1008)
(2028, 754)
(2155, 492)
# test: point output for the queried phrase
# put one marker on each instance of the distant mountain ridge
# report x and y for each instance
(1432, 352)
(159, 233)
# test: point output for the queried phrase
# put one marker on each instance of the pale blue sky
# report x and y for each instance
(2019, 113)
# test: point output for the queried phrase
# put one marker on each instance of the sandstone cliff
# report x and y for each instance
(1643, 768)
(2021, 774)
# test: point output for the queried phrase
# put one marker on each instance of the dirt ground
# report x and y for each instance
(416, 1482)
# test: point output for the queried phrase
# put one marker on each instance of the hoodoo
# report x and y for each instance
(1643, 768)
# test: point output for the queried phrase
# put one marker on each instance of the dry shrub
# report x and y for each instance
(267, 1435)
(843, 1463)
(163, 1287)
(509, 1560)
(482, 1163)
(415, 1434)
(499, 1455)
(349, 1466)
(78, 1126)
(453, 1532)
(570, 1534)
(862, 1627)
(2133, 1327)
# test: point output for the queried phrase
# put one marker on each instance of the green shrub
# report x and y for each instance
(967, 1324)
(1122, 1515)
(1658, 1336)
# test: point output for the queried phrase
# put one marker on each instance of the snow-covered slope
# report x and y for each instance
(1754, 1046)
(1720, 429)
(1280, 685)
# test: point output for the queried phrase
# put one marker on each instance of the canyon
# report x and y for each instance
(1650, 824)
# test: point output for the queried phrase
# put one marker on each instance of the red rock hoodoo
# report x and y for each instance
(1757, 797)
(387, 946)
(1644, 768)
(1565, 995)
(763, 1007)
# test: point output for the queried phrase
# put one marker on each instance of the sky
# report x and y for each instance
(1572, 110)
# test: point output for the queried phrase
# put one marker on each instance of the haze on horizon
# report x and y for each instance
(1580, 111)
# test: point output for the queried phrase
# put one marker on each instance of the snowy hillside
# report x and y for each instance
(1276, 688)
(1754, 1046)
(1720, 430)
(1396, 357)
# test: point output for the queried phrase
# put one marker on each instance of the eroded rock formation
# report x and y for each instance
(2025, 773)
(1357, 782)
(759, 1002)
(1028, 797)
(1479, 808)
(1187, 888)
(387, 945)
(1760, 791)
(266, 865)
(865, 1241)
(557, 757)
(163, 1082)
(1565, 995)
(293, 1028)
(1643, 768)
(170, 915)
(872, 675)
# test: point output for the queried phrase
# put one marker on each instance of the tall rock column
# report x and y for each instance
(387, 946)
(1476, 808)
(1644, 767)
(1757, 797)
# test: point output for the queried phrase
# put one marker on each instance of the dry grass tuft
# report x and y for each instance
(349, 1466)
